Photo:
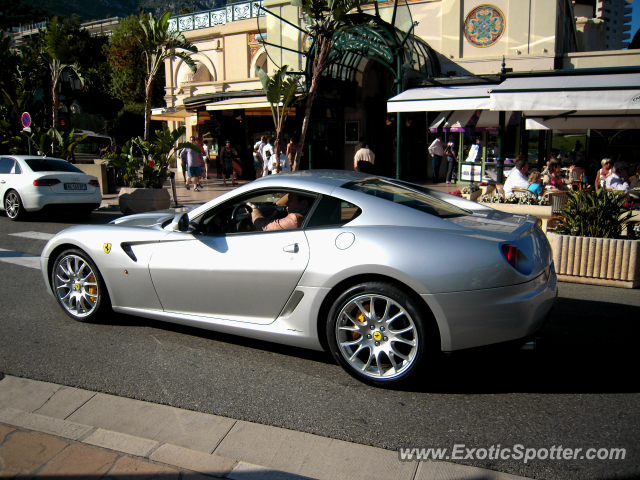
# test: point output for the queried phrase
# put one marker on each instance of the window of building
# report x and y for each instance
(607, 29)
(614, 30)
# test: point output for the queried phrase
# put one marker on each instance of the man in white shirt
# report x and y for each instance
(267, 152)
(282, 165)
(618, 179)
(436, 150)
(517, 177)
(364, 159)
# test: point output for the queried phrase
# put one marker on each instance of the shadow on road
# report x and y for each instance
(586, 347)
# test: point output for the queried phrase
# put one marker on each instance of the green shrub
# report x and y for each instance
(599, 214)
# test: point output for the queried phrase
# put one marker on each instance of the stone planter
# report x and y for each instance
(596, 261)
(472, 196)
(140, 200)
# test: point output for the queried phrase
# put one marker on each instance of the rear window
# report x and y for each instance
(51, 165)
(407, 196)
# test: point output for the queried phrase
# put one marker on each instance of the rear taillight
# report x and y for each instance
(511, 254)
(94, 183)
(46, 182)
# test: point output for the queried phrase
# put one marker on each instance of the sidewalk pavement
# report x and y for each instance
(213, 188)
(49, 430)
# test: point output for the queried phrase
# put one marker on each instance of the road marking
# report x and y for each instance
(34, 235)
(20, 258)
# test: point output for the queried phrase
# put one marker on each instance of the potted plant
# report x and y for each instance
(592, 244)
(145, 168)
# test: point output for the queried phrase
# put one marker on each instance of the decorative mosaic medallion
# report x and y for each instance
(484, 26)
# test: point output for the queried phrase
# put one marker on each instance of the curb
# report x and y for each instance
(204, 443)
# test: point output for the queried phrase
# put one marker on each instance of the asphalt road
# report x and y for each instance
(580, 391)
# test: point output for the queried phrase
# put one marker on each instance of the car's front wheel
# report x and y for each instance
(377, 333)
(78, 286)
(13, 205)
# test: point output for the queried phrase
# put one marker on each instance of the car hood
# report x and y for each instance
(146, 220)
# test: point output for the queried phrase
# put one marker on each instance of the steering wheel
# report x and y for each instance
(244, 223)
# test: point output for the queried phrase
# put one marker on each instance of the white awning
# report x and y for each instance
(239, 103)
(458, 121)
(439, 122)
(434, 99)
(490, 120)
(619, 92)
(584, 122)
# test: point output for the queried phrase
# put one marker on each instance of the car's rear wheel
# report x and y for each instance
(78, 286)
(13, 205)
(377, 333)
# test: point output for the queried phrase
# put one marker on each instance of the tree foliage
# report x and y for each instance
(159, 44)
(124, 56)
(280, 91)
(324, 21)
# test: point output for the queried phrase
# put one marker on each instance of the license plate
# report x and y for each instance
(75, 186)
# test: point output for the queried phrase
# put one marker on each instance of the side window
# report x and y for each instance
(16, 168)
(332, 211)
(273, 206)
(6, 165)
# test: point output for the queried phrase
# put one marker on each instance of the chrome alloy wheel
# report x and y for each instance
(377, 336)
(76, 286)
(12, 204)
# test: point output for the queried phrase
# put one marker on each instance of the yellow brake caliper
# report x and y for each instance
(92, 289)
(359, 318)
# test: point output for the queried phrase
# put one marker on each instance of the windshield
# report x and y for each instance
(51, 165)
(407, 196)
(93, 144)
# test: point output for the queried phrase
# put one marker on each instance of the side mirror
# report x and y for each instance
(180, 223)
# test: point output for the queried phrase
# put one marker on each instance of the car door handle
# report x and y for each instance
(291, 248)
(2, 181)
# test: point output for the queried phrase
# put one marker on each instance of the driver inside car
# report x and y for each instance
(297, 208)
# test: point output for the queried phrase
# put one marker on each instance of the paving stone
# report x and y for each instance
(41, 423)
(4, 431)
(128, 468)
(28, 451)
(193, 460)
(197, 431)
(80, 461)
(64, 402)
(121, 442)
(24, 394)
(453, 471)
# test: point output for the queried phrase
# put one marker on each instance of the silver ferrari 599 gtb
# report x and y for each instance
(380, 272)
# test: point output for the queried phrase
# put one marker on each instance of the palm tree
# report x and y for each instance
(324, 20)
(280, 90)
(56, 52)
(159, 44)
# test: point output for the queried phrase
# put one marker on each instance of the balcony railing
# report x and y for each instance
(220, 16)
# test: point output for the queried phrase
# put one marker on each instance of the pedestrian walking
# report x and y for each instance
(436, 150)
(267, 152)
(452, 160)
(229, 156)
(292, 148)
(364, 159)
(192, 158)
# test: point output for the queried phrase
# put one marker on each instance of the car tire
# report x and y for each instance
(385, 348)
(13, 206)
(78, 286)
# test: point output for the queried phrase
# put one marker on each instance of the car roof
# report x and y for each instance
(329, 178)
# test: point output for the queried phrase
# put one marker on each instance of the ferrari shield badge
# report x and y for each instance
(107, 248)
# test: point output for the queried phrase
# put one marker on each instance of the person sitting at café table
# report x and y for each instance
(517, 177)
(554, 179)
(603, 174)
(618, 180)
(535, 184)
(297, 208)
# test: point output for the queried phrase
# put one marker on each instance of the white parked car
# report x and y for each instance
(31, 184)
